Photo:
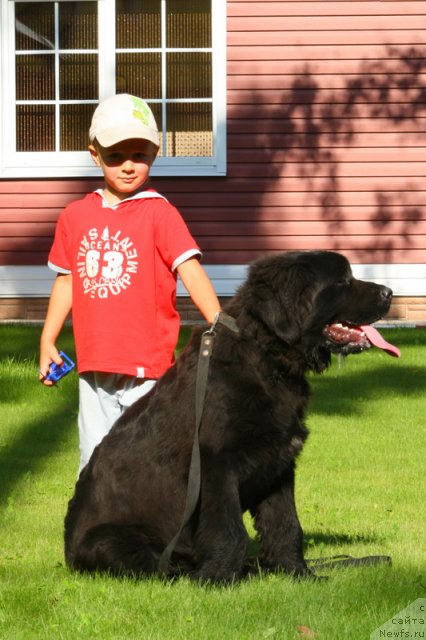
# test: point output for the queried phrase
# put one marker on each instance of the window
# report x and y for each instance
(61, 57)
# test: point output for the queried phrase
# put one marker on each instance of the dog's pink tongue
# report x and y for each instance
(378, 341)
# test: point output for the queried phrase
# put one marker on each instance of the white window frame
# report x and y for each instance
(79, 164)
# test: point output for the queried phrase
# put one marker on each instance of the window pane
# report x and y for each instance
(34, 26)
(35, 77)
(189, 130)
(138, 24)
(78, 77)
(189, 75)
(55, 76)
(35, 128)
(157, 111)
(139, 74)
(75, 123)
(189, 23)
(78, 25)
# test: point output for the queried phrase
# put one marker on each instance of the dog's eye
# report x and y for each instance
(343, 283)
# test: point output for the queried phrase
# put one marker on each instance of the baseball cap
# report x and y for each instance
(122, 117)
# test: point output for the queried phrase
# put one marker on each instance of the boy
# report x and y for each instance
(117, 252)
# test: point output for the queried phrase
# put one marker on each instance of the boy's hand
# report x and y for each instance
(48, 354)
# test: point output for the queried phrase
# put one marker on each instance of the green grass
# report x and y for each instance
(360, 491)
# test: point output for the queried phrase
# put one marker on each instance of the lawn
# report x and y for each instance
(360, 491)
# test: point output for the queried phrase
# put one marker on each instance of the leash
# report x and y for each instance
(194, 477)
(341, 561)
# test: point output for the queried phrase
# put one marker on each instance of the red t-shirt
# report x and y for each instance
(123, 261)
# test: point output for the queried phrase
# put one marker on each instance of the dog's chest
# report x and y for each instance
(263, 466)
(268, 440)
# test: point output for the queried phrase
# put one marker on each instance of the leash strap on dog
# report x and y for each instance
(194, 477)
(341, 561)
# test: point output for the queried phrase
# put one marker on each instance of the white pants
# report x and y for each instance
(103, 398)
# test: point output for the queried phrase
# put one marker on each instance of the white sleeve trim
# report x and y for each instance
(58, 269)
(185, 256)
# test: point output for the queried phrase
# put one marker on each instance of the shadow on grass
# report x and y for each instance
(21, 341)
(321, 538)
(38, 439)
(348, 391)
(44, 429)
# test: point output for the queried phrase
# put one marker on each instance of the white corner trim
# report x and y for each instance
(403, 279)
(36, 281)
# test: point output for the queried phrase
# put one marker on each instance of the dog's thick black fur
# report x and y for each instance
(129, 500)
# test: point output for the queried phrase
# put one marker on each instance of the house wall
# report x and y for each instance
(326, 144)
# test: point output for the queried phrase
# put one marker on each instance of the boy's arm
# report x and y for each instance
(199, 287)
(59, 307)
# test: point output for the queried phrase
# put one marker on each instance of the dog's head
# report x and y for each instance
(312, 300)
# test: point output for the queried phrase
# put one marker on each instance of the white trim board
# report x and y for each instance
(36, 281)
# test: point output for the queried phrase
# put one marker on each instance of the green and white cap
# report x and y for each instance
(123, 117)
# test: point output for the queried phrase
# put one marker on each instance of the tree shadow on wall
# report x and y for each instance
(305, 140)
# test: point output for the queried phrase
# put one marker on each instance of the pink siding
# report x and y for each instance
(326, 141)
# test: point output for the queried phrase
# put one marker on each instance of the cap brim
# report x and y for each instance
(110, 137)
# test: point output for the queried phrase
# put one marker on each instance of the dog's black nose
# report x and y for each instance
(386, 293)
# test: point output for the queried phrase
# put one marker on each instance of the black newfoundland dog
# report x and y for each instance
(290, 314)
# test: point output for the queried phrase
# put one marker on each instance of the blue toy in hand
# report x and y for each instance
(58, 371)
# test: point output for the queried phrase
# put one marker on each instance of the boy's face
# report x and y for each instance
(125, 166)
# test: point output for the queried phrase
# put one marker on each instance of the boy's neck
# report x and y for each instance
(112, 198)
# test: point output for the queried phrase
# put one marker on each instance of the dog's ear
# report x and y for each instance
(281, 296)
